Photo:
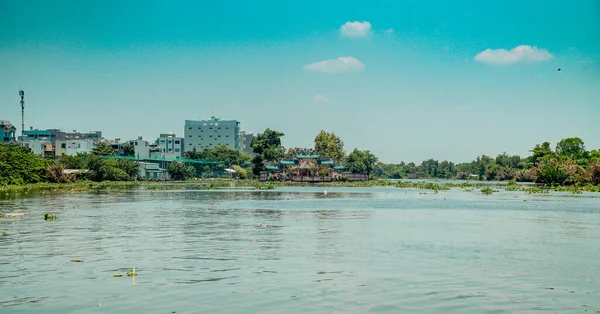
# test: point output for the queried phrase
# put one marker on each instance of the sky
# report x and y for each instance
(407, 80)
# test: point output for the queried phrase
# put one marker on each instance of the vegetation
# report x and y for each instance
(49, 216)
(360, 161)
(179, 171)
(18, 165)
(268, 149)
(330, 145)
(568, 164)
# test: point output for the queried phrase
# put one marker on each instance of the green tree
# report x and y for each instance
(128, 150)
(74, 162)
(130, 167)
(539, 153)
(101, 149)
(19, 165)
(360, 161)
(242, 174)
(179, 171)
(571, 147)
(267, 147)
(330, 145)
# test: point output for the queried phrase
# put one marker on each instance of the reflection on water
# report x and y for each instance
(299, 250)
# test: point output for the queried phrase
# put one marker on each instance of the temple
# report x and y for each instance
(307, 165)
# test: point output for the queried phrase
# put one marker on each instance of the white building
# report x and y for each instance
(141, 147)
(211, 133)
(73, 147)
(170, 146)
(38, 147)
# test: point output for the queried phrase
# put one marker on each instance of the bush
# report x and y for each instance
(241, 172)
(55, 174)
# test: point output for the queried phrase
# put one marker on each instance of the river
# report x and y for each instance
(299, 250)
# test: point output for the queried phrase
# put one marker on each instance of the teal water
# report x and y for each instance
(296, 250)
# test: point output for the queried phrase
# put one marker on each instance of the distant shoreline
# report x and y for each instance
(29, 190)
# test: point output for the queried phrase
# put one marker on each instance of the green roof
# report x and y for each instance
(272, 167)
(184, 160)
(325, 161)
(338, 167)
(308, 156)
(289, 162)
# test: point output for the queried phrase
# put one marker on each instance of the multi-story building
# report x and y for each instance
(246, 142)
(211, 133)
(73, 147)
(141, 147)
(42, 148)
(170, 146)
(7, 131)
(54, 135)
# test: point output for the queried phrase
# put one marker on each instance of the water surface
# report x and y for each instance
(296, 250)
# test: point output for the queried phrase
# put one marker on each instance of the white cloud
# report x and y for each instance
(322, 99)
(337, 65)
(389, 30)
(522, 53)
(356, 29)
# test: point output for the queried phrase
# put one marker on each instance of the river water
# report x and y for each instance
(297, 250)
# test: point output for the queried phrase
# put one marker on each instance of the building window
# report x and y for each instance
(177, 142)
(191, 136)
(63, 145)
(189, 128)
(177, 150)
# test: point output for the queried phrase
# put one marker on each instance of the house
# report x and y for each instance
(73, 147)
(169, 146)
(7, 131)
(151, 171)
(39, 147)
(141, 147)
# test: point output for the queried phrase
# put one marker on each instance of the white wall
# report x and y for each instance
(72, 147)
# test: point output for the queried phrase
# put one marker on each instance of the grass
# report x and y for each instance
(488, 191)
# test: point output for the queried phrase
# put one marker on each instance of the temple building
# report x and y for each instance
(307, 165)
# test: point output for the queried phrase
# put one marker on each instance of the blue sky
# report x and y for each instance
(408, 80)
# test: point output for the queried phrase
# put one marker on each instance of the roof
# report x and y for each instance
(338, 167)
(289, 162)
(272, 167)
(315, 156)
(184, 160)
(325, 161)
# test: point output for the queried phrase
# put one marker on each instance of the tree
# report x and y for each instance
(74, 162)
(130, 167)
(19, 165)
(267, 147)
(330, 145)
(101, 149)
(241, 172)
(539, 152)
(178, 171)
(571, 147)
(360, 161)
(128, 150)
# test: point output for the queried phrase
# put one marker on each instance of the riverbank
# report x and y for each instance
(14, 191)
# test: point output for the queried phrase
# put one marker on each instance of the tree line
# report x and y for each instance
(569, 163)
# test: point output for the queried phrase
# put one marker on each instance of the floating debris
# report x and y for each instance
(132, 273)
(2, 234)
(49, 216)
(254, 241)
(76, 261)
(117, 275)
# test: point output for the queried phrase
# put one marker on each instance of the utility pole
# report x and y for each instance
(22, 94)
